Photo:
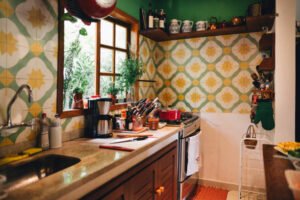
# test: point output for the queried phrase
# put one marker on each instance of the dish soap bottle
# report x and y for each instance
(44, 137)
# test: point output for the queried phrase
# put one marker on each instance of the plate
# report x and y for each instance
(277, 148)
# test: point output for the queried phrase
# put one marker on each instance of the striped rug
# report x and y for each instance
(210, 193)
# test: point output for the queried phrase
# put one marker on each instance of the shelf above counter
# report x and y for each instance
(253, 24)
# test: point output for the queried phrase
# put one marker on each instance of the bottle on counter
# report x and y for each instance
(44, 137)
(128, 121)
(150, 17)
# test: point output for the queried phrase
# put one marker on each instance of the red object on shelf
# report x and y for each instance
(169, 115)
(90, 10)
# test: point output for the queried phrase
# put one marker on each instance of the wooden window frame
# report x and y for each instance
(112, 74)
(117, 14)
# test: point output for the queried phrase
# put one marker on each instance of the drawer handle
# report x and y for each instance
(160, 190)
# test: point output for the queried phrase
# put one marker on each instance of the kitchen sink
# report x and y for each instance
(29, 171)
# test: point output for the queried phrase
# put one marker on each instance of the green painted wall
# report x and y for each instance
(190, 9)
(132, 7)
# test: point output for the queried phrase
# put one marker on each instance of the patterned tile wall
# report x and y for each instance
(207, 74)
(147, 46)
(28, 54)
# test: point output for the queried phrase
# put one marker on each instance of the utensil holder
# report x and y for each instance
(250, 140)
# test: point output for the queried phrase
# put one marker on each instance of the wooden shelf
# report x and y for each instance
(253, 24)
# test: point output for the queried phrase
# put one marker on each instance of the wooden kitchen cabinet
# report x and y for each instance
(153, 178)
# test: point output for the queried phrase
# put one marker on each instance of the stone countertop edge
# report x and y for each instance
(43, 189)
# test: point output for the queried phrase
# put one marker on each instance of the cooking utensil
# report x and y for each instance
(169, 115)
(131, 140)
(116, 148)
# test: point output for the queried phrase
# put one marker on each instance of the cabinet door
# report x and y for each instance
(119, 193)
(141, 186)
(166, 180)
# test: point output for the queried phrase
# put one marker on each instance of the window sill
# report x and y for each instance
(80, 112)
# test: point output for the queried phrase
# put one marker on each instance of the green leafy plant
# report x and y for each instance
(78, 68)
(112, 89)
(78, 90)
(131, 69)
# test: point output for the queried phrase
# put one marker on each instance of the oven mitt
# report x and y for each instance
(264, 113)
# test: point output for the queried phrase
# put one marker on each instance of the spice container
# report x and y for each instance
(153, 123)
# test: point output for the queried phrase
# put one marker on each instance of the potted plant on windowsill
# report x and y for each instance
(112, 91)
(77, 98)
(131, 69)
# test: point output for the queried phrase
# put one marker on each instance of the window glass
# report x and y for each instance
(106, 58)
(120, 56)
(106, 30)
(121, 37)
(105, 82)
(79, 61)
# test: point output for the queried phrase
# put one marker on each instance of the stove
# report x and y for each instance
(186, 118)
(187, 183)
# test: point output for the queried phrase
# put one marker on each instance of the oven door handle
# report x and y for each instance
(192, 134)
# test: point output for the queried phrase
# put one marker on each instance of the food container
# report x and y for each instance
(169, 115)
(293, 179)
(153, 123)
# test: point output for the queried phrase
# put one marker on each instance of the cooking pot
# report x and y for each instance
(169, 115)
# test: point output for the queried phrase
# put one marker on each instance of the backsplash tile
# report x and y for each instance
(207, 74)
(28, 55)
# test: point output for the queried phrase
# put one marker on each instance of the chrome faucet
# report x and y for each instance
(9, 123)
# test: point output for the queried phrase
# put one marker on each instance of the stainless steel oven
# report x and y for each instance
(187, 184)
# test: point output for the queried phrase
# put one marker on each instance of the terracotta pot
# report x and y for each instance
(77, 101)
(113, 98)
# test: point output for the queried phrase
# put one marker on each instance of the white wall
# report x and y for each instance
(285, 71)
(298, 9)
(220, 146)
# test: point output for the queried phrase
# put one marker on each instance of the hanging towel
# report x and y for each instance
(193, 155)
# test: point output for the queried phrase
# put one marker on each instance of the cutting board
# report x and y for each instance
(127, 134)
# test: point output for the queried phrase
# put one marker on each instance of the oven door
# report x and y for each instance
(187, 184)
(184, 143)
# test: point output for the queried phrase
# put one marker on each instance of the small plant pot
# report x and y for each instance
(77, 101)
(113, 98)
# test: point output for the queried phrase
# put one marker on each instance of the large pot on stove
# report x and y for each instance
(169, 115)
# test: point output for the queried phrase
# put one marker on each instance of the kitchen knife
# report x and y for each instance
(131, 140)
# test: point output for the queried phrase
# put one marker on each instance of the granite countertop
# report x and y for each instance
(97, 165)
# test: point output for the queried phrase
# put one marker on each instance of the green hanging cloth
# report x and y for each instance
(264, 113)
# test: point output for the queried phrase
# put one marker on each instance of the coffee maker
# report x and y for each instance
(98, 120)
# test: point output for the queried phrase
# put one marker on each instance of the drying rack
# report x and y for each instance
(262, 137)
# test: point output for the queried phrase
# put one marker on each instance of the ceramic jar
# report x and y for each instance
(187, 26)
(175, 26)
(201, 25)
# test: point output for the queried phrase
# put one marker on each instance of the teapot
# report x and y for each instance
(175, 26)
(187, 26)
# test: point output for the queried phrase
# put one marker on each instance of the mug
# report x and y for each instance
(201, 25)
(187, 26)
(175, 26)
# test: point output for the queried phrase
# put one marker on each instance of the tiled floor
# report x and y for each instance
(210, 193)
(233, 195)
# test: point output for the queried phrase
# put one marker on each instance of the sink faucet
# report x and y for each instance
(9, 123)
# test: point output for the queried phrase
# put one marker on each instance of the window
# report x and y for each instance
(96, 58)
(114, 48)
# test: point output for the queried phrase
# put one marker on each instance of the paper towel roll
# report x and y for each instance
(55, 137)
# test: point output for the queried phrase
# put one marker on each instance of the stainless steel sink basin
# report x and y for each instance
(26, 172)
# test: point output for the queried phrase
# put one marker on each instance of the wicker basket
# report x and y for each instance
(251, 142)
